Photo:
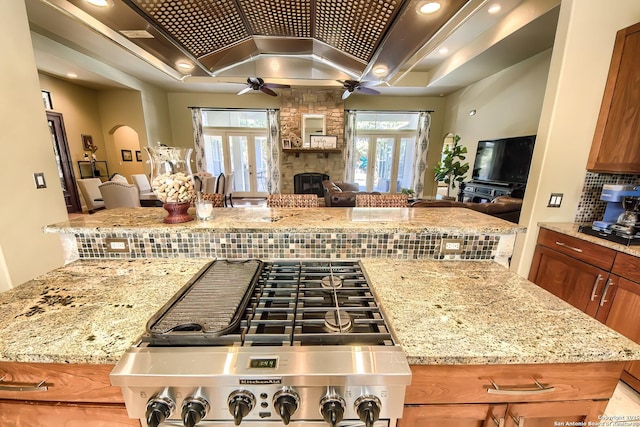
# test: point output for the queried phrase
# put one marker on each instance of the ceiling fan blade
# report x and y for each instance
(245, 90)
(276, 86)
(368, 90)
(346, 94)
(369, 83)
(268, 91)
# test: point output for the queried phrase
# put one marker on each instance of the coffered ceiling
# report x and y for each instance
(296, 42)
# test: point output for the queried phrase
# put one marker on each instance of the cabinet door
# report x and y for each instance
(576, 282)
(453, 416)
(56, 414)
(623, 314)
(615, 147)
(545, 414)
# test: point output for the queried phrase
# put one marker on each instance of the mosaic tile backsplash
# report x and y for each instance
(287, 245)
(590, 207)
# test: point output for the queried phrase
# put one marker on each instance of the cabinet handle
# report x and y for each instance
(595, 287)
(539, 388)
(603, 300)
(518, 420)
(564, 245)
(23, 386)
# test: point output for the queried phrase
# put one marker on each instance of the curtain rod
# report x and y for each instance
(232, 108)
(392, 111)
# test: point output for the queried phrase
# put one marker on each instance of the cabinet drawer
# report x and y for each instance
(627, 266)
(68, 383)
(580, 249)
(54, 414)
(472, 384)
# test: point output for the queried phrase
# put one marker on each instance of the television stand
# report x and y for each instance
(479, 192)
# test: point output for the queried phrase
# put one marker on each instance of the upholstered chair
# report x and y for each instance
(292, 201)
(119, 195)
(216, 198)
(141, 181)
(228, 190)
(91, 193)
(382, 201)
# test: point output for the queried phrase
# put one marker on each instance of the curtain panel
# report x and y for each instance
(420, 159)
(198, 139)
(273, 159)
(349, 145)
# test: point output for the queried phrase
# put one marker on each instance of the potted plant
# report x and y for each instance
(450, 168)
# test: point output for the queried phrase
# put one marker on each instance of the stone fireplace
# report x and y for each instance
(293, 103)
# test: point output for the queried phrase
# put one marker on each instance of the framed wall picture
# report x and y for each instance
(325, 142)
(138, 156)
(126, 155)
(46, 99)
(286, 144)
(87, 142)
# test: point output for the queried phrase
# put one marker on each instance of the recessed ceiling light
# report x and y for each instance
(137, 34)
(443, 51)
(72, 75)
(427, 7)
(494, 8)
(100, 3)
(380, 70)
(184, 65)
(472, 112)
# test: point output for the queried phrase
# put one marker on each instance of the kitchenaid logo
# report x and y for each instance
(260, 381)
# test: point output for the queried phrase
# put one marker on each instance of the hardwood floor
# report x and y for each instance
(624, 402)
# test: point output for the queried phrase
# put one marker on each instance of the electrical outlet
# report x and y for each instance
(117, 245)
(451, 246)
(39, 178)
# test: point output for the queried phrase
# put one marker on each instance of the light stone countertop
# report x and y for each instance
(572, 229)
(443, 312)
(252, 219)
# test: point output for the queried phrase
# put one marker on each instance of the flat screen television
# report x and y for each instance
(504, 161)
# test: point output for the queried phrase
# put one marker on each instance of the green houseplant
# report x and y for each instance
(450, 168)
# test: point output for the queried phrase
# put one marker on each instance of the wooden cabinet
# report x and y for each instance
(53, 394)
(508, 395)
(616, 147)
(599, 281)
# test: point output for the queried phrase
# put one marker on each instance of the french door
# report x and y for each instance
(242, 153)
(384, 163)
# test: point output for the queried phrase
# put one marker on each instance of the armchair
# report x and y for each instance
(91, 193)
(119, 195)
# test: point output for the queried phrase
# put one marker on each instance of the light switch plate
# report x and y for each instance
(555, 200)
(39, 179)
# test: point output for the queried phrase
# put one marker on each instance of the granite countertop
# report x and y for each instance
(572, 229)
(339, 220)
(443, 312)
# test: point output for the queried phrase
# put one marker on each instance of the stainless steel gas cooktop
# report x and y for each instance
(268, 343)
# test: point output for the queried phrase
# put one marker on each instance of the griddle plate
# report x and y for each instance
(213, 304)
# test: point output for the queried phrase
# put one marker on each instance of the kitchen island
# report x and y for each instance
(460, 317)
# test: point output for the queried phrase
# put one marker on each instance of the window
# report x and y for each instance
(235, 143)
(384, 152)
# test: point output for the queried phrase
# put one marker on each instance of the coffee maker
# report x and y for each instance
(621, 220)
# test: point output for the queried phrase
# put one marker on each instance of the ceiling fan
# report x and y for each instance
(256, 83)
(355, 85)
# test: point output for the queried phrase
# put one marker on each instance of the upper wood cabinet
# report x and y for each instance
(616, 142)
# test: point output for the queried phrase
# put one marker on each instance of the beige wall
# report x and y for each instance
(125, 138)
(25, 148)
(507, 104)
(579, 66)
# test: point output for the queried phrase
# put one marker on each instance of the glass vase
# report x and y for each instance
(172, 181)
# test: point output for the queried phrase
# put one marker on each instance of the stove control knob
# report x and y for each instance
(332, 408)
(240, 403)
(286, 403)
(368, 409)
(194, 409)
(159, 408)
